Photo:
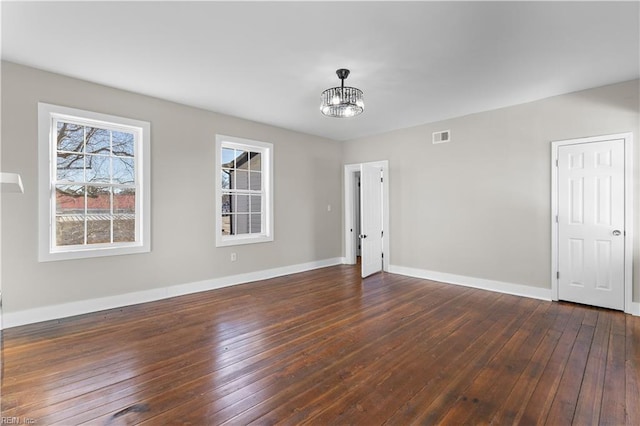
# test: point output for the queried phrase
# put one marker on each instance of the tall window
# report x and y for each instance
(243, 198)
(94, 190)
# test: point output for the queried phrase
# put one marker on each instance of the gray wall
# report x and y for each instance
(307, 178)
(479, 206)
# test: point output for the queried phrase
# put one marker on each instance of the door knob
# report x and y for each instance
(616, 233)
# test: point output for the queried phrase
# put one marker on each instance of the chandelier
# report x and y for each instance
(342, 102)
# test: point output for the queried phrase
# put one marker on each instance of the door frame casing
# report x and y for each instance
(628, 211)
(350, 257)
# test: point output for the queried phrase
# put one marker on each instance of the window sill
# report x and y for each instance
(85, 253)
(241, 240)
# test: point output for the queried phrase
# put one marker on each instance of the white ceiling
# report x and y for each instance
(417, 62)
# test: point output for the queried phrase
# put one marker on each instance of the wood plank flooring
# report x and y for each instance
(326, 347)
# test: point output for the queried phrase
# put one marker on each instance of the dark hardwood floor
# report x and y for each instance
(326, 347)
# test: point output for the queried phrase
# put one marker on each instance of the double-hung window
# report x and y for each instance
(244, 191)
(94, 184)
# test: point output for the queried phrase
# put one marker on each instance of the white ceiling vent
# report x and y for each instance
(441, 137)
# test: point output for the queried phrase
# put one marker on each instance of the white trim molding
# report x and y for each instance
(47, 313)
(479, 283)
(265, 149)
(48, 116)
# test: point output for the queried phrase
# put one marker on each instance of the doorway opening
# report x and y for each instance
(366, 216)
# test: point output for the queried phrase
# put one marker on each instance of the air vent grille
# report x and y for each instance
(441, 137)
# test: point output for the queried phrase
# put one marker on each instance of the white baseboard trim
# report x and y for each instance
(212, 284)
(480, 283)
(46, 313)
(635, 309)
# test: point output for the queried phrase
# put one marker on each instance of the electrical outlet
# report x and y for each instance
(234, 257)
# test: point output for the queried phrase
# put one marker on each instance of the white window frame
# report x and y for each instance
(266, 151)
(47, 144)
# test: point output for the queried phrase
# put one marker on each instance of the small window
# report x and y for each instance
(94, 185)
(244, 191)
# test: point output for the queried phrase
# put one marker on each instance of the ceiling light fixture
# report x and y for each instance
(342, 102)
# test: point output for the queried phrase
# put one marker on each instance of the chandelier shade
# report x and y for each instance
(342, 102)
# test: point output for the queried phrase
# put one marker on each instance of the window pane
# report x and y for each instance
(98, 229)
(242, 160)
(256, 203)
(240, 179)
(256, 223)
(124, 170)
(70, 200)
(124, 229)
(241, 225)
(69, 215)
(70, 137)
(122, 144)
(98, 200)
(98, 141)
(124, 201)
(226, 179)
(70, 167)
(226, 224)
(256, 161)
(228, 155)
(98, 214)
(256, 181)
(69, 230)
(98, 168)
(241, 203)
(124, 219)
(227, 207)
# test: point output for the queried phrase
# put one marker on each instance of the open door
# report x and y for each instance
(371, 219)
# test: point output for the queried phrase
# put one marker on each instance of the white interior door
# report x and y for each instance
(591, 235)
(357, 215)
(371, 219)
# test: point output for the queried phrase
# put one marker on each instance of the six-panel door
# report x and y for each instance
(591, 223)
